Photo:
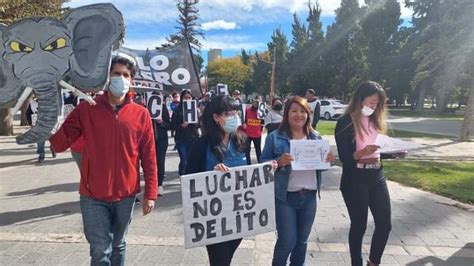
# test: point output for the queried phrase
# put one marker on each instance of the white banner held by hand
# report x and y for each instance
(219, 207)
(393, 145)
(309, 154)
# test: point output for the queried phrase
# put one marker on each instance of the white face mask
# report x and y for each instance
(119, 86)
(367, 111)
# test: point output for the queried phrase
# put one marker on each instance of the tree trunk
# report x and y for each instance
(420, 103)
(6, 127)
(441, 101)
(468, 123)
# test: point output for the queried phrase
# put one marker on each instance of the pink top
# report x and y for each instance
(368, 138)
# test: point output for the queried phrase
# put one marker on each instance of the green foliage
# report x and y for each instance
(231, 71)
(278, 48)
(188, 26)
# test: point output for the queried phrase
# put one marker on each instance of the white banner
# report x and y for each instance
(219, 207)
(309, 154)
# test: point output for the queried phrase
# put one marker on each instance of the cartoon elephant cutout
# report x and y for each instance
(40, 52)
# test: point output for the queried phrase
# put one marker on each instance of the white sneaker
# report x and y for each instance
(161, 191)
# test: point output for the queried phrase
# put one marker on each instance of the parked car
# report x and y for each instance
(332, 109)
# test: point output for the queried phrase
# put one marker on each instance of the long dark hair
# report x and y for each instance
(285, 124)
(213, 132)
(379, 117)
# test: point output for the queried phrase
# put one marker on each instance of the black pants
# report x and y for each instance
(221, 254)
(358, 198)
(258, 149)
(161, 147)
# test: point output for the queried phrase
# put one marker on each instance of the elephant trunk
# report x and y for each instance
(48, 107)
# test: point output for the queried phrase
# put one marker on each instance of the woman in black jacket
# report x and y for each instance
(220, 147)
(185, 134)
(363, 183)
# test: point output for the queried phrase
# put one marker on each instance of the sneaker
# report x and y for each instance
(53, 154)
(137, 201)
(40, 159)
(161, 191)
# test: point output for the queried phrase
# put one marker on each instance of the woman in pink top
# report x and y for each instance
(363, 183)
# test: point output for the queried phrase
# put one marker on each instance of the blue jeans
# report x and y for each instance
(294, 220)
(40, 149)
(183, 150)
(105, 227)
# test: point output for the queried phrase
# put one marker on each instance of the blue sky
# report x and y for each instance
(228, 24)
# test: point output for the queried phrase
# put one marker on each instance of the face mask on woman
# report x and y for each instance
(367, 111)
(231, 123)
(277, 107)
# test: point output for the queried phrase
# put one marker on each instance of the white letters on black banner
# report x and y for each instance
(190, 112)
(219, 207)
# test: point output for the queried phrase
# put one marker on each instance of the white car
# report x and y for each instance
(332, 109)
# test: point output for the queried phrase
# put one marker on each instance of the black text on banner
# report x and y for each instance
(219, 207)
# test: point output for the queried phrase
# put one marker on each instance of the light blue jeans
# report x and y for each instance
(105, 227)
(294, 220)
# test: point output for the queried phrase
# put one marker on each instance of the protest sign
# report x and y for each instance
(154, 104)
(262, 110)
(218, 206)
(309, 154)
(222, 89)
(166, 69)
(190, 112)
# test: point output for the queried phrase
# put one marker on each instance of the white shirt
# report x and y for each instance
(273, 117)
(312, 107)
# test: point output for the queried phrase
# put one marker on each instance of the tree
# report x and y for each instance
(379, 26)
(12, 11)
(230, 71)
(278, 49)
(297, 81)
(261, 73)
(188, 29)
(344, 56)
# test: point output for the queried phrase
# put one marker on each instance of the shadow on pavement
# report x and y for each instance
(44, 213)
(33, 161)
(459, 258)
(67, 187)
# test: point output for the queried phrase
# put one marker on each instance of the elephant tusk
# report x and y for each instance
(77, 92)
(26, 93)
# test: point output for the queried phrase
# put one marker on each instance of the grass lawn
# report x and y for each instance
(327, 128)
(451, 179)
(428, 114)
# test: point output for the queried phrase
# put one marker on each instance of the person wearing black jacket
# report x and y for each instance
(160, 129)
(221, 146)
(185, 134)
(315, 106)
(363, 183)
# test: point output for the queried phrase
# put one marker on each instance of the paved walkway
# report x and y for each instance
(40, 222)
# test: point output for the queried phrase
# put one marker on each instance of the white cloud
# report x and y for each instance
(143, 44)
(219, 25)
(241, 12)
(233, 42)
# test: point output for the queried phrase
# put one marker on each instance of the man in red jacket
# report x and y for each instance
(118, 136)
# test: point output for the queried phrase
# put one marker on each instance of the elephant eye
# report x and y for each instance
(19, 47)
(57, 44)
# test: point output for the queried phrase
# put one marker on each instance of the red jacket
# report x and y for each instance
(253, 127)
(114, 146)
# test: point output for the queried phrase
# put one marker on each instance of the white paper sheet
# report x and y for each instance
(393, 145)
(309, 154)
